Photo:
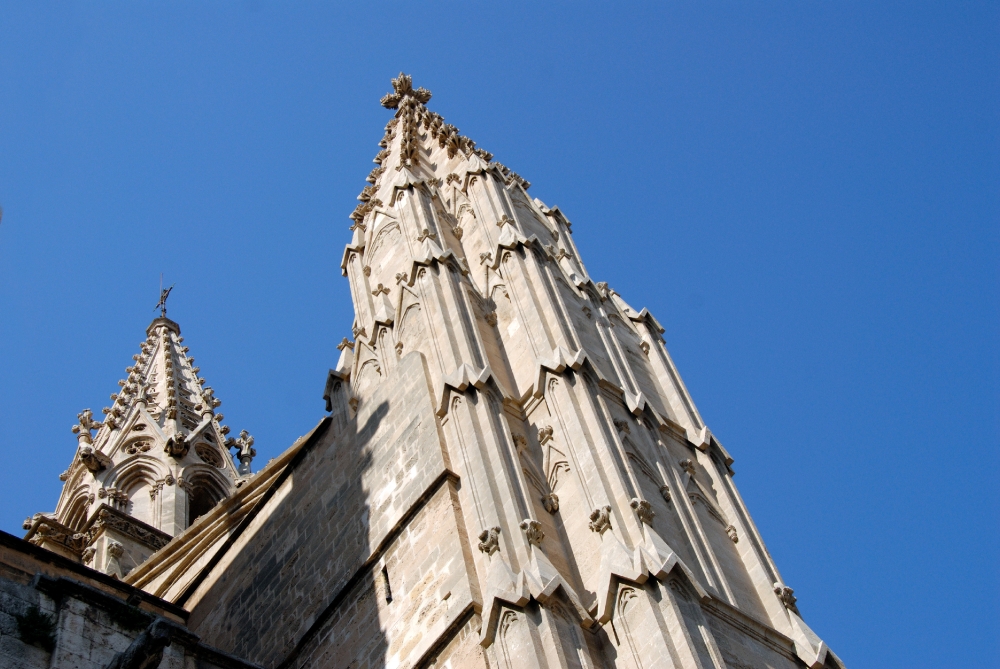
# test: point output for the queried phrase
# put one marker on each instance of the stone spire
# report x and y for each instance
(585, 465)
(413, 128)
(158, 460)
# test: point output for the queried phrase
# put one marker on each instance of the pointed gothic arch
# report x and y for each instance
(205, 487)
(75, 515)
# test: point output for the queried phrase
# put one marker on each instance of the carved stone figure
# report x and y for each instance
(551, 502)
(93, 459)
(146, 651)
(643, 510)
(177, 446)
(533, 531)
(489, 540)
(786, 595)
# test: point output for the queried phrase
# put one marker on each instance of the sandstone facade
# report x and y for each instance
(512, 473)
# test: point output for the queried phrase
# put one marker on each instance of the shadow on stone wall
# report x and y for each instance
(298, 565)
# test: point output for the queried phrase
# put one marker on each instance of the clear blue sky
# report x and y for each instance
(805, 194)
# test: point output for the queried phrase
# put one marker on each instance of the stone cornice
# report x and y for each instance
(107, 518)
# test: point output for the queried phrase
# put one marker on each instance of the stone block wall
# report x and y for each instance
(57, 614)
(371, 494)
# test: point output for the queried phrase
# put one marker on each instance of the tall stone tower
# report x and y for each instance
(157, 461)
(512, 473)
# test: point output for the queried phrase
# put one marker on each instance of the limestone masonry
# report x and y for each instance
(512, 473)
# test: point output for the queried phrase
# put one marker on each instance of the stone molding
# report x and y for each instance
(107, 518)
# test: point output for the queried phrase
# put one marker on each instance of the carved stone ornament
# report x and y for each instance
(544, 434)
(146, 650)
(209, 454)
(402, 87)
(600, 519)
(134, 529)
(520, 443)
(93, 459)
(785, 594)
(665, 492)
(88, 555)
(643, 510)
(551, 502)
(245, 450)
(136, 447)
(731, 531)
(489, 540)
(623, 427)
(50, 530)
(85, 424)
(688, 466)
(177, 446)
(533, 531)
(113, 495)
(115, 549)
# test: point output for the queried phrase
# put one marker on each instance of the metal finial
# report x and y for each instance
(164, 294)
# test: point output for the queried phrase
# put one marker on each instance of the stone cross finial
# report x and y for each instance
(86, 424)
(209, 401)
(402, 87)
(246, 451)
